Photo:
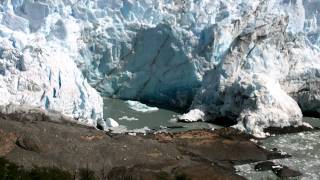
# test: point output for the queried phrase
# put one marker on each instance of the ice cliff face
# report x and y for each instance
(37, 62)
(253, 62)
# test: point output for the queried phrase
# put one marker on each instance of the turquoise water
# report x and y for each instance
(304, 147)
(117, 109)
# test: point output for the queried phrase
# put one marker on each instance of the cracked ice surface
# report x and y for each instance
(253, 62)
(37, 68)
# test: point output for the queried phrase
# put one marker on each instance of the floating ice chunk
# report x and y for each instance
(174, 119)
(118, 130)
(143, 130)
(277, 167)
(307, 125)
(111, 122)
(192, 116)
(126, 118)
(132, 133)
(123, 129)
(107, 124)
(254, 140)
(138, 106)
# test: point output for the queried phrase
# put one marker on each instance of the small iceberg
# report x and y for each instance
(111, 122)
(192, 116)
(105, 124)
(133, 132)
(128, 118)
(138, 106)
(145, 130)
(119, 130)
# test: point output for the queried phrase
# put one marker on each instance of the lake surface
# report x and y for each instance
(120, 111)
(304, 147)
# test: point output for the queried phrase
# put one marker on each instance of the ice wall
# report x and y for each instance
(269, 74)
(38, 49)
(253, 62)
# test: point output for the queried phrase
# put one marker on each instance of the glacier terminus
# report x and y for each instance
(255, 63)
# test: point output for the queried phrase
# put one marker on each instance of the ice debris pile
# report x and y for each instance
(252, 62)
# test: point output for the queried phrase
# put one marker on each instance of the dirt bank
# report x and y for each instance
(201, 154)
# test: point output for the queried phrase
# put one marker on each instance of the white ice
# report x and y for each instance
(140, 107)
(254, 62)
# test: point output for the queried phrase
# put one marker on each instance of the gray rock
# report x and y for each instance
(286, 172)
(31, 143)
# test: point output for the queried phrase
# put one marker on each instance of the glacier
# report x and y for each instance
(254, 63)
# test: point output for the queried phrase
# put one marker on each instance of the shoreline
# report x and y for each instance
(197, 154)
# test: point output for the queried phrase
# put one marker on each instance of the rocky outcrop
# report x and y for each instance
(199, 154)
(279, 170)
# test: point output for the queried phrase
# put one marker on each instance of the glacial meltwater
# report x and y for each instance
(304, 148)
(132, 118)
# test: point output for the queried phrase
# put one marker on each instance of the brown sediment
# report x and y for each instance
(7, 142)
(197, 154)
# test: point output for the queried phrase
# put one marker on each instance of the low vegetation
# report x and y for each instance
(11, 171)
